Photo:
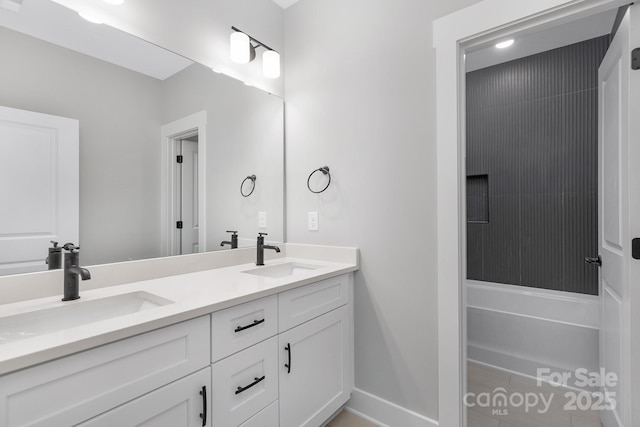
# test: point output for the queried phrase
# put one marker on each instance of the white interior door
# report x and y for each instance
(189, 191)
(39, 169)
(619, 216)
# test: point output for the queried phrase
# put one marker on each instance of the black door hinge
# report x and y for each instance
(635, 59)
(179, 225)
(180, 159)
(635, 248)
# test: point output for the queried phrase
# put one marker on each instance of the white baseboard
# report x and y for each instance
(384, 413)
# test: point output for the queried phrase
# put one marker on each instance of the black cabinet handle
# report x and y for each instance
(203, 415)
(288, 365)
(255, 323)
(257, 381)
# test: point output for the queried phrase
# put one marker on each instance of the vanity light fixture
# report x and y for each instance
(505, 44)
(243, 51)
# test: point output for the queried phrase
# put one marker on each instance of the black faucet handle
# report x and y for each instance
(55, 244)
(71, 247)
(232, 231)
(263, 234)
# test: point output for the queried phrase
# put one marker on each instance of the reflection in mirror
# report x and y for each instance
(132, 191)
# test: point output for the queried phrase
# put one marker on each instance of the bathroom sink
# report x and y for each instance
(283, 270)
(26, 325)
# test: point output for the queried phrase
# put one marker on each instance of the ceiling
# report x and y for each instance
(551, 38)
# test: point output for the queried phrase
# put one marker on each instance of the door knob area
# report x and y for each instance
(597, 261)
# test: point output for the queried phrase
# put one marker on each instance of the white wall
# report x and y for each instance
(199, 29)
(360, 94)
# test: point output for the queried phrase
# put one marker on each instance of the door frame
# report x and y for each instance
(452, 36)
(171, 133)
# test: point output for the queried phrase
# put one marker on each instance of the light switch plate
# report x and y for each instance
(262, 220)
(313, 221)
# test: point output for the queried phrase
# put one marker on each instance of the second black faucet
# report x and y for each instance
(260, 246)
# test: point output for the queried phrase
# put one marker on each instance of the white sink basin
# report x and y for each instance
(77, 313)
(283, 270)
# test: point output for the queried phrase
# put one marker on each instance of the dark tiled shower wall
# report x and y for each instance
(532, 130)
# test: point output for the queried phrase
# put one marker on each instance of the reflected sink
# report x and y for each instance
(283, 270)
(27, 325)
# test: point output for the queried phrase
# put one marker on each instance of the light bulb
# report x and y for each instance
(271, 64)
(504, 44)
(239, 47)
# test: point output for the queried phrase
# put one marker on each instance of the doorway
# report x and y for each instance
(532, 219)
(184, 186)
(453, 35)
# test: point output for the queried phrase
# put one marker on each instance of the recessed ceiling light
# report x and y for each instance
(504, 44)
(90, 18)
(116, 2)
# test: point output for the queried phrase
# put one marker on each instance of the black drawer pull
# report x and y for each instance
(203, 415)
(288, 365)
(257, 381)
(255, 323)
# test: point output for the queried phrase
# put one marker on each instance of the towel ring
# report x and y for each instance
(325, 171)
(251, 178)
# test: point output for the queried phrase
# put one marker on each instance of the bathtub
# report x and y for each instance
(521, 329)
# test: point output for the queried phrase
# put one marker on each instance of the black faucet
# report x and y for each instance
(54, 259)
(233, 242)
(71, 272)
(261, 247)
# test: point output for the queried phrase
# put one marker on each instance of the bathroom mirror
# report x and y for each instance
(56, 63)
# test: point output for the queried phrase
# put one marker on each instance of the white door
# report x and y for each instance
(39, 169)
(315, 369)
(619, 216)
(183, 403)
(189, 192)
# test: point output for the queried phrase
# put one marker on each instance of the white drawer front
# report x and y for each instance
(239, 327)
(245, 370)
(307, 302)
(268, 417)
(179, 404)
(72, 389)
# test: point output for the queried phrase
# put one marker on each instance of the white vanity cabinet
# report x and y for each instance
(316, 356)
(285, 360)
(183, 403)
(76, 388)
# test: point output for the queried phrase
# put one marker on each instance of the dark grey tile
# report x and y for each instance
(542, 250)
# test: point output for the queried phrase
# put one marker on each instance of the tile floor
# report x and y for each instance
(484, 379)
(348, 419)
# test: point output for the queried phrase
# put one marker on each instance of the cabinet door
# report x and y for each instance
(315, 369)
(182, 403)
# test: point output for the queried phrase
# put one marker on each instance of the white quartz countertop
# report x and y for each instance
(192, 295)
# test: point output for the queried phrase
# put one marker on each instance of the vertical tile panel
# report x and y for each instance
(532, 128)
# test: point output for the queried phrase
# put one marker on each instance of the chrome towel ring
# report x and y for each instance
(251, 178)
(325, 171)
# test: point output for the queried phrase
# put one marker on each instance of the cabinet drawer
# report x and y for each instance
(307, 302)
(181, 403)
(268, 417)
(72, 389)
(245, 383)
(239, 327)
